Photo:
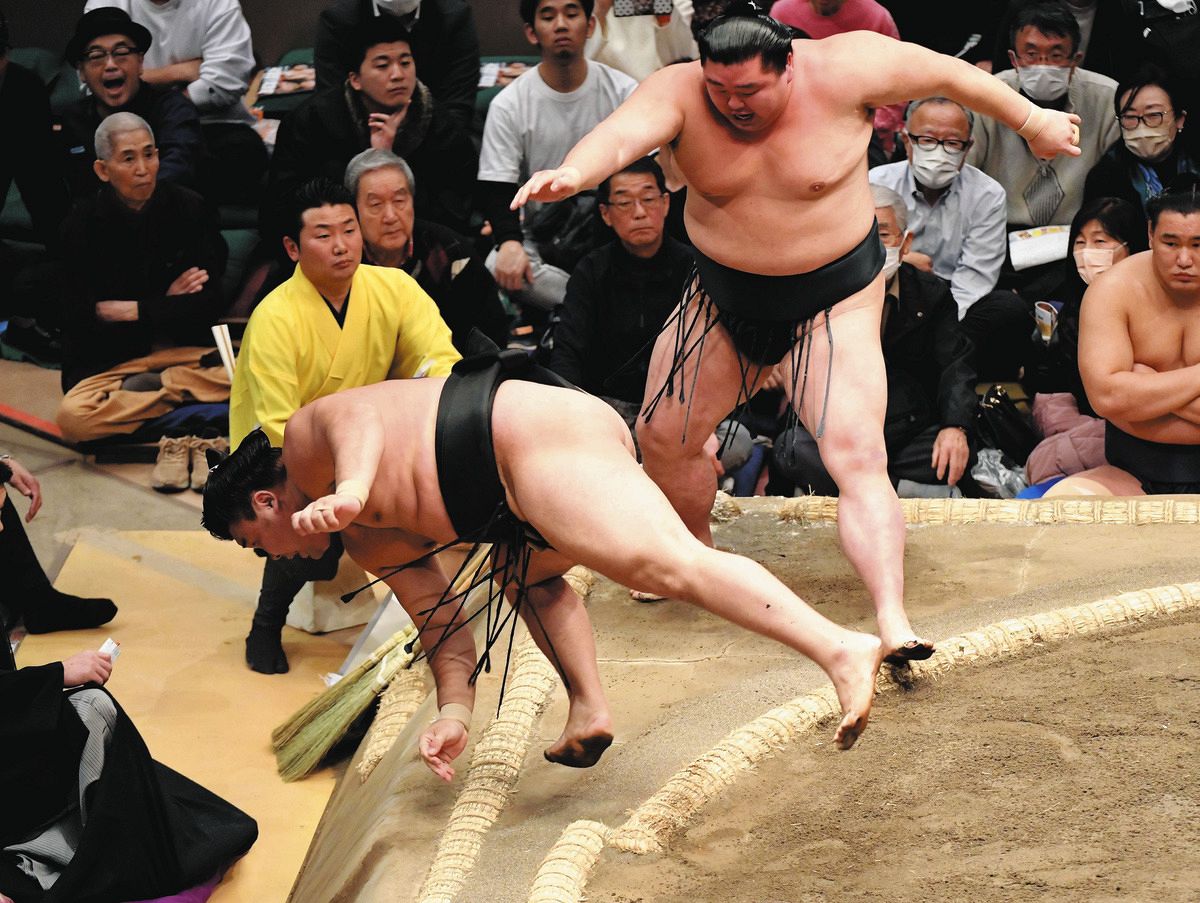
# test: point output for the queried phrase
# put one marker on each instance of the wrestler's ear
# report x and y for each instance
(262, 500)
(292, 249)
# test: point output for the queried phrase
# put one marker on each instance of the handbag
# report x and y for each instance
(567, 230)
(1000, 425)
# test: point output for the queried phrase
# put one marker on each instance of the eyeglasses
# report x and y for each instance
(649, 202)
(119, 53)
(1130, 121)
(1054, 58)
(954, 146)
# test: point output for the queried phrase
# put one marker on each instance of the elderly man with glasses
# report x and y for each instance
(956, 216)
(107, 49)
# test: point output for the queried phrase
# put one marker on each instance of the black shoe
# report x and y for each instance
(60, 611)
(264, 651)
(33, 344)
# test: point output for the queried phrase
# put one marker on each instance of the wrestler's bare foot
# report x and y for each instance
(582, 747)
(901, 643)
(853, 668)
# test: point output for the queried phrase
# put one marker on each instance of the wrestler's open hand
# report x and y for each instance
(328, 514)
(1060, 135)
(442, 743)
(950, 455)
(549, 185)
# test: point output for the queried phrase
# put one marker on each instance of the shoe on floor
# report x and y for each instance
(199, 445)
(170, 472)
(32, 344)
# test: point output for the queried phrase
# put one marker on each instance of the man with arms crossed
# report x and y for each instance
(771, 138)
(555, 462)
(1139, 357)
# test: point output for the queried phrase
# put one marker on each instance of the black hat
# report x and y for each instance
(102, 21)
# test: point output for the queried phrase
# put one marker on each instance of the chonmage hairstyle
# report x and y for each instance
(1182, 196)
(255, 465)
(743, 33)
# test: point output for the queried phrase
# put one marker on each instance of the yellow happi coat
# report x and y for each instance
(294, 351)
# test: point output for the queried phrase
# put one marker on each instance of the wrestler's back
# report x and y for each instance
(787, 200)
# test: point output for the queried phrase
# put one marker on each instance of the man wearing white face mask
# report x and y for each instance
(444, 42)
(1044, 41)
(956, 215)
(930, 416)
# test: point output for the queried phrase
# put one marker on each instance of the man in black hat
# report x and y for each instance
(107, 49)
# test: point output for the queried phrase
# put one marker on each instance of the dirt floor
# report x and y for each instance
(1070, 773)
(679, 680)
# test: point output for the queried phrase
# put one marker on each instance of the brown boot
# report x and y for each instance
(170, 472)
(197, 447)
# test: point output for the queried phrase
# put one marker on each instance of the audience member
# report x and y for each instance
(107, 49)
(930, 417)
(1149, 108)
(956, 219)
(1109, 38)
(381, 104)
(639, 45)
(309, 338)
(1138, 322)
(621, 294)
(203, 48)
(1104, 232)
(443, 263)
(88, 814)
(443, 38)
(531, 125)
(26, 593)
(28, 156)
(144, 263)
(1044, 48)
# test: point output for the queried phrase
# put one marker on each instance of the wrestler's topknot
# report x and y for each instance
(744, 33)
(1182, 196)
(255, 465)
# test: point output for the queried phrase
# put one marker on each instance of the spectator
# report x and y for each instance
(382, 104)
(204, 49)
(307, 340)
(621, 294)
(442, 34)
(1149, 108)
(144, 267)
(930, 417)
(28, 157)
(26, 592)
(107, 49)
(639, 45)
(531, 125)
(1138, 321)
(956, 219)
(87, 814)
(1109, 37)
(1044, 42)
(443, 263)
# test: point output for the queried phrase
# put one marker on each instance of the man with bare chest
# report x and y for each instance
(545, 474)
(1139, 357)
(771, 136)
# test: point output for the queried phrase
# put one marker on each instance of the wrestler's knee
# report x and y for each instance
(853, 449)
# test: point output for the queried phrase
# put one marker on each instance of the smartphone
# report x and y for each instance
(642, 7)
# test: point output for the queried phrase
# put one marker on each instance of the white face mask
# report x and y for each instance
(891, 260)
(397, 7)
(1147, 143)
(935, 168)
(1044, 83)
(1091, 262)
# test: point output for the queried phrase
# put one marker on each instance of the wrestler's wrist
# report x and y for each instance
(356, 488)
(454, 711)
(1034, 122)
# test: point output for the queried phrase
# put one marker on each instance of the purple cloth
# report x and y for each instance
(193, 895)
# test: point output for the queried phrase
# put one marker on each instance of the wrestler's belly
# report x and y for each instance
(779, 236)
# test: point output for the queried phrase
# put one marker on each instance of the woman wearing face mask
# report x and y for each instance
(1103, 233)
(1151, 152)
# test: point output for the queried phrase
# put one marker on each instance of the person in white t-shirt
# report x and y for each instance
(531, 125)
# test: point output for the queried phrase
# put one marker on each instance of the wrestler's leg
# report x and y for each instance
(851, 399)
(602, 511)
(1103, 480)
(673, 457)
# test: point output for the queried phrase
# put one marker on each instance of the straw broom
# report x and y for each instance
(303, 740)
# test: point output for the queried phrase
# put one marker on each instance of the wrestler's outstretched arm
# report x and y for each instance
(649, 118)
(901, 71)
(350, 434)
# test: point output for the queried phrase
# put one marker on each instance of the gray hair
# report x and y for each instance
(885, 197)
(371, 160)
(118, 124)
(917, 104)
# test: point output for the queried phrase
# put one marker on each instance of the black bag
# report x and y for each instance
(1000, 425)
(566, 230)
